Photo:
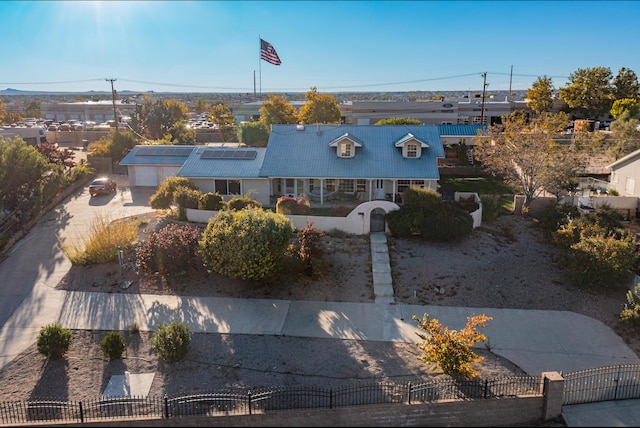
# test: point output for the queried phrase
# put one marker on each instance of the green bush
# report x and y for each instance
(210, 201)
(54, 341)
(404, 222)
(446, 223)
(172, 342)
(491, 207)
(184, 198)
(164, 196)
(238, 203)
(630, 314)
(421, 198)
(601, 261)
(113, 345)
(246, 244)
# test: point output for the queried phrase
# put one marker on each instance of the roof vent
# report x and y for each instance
(299, 127)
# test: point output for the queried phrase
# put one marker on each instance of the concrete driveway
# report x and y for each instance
(36, 262)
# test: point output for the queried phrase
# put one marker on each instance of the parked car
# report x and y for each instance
(65, 127)
(102, 186)
(53, 127)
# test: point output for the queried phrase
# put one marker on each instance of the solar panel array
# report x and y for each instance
(164, 151)
(228, 154)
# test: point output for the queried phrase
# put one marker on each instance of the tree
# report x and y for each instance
(3, 114)
(319, 108)
(255, 134)
(277, 110)
(55, 155)
(155, 120)
(589, 91)
(450, 350)
(529, 156)
(220, 114)
(626, 84)
(625, 135)
(165, 195)
(22, 170)
(540, 95)
(181, 134)
(624, 104)
(33, 109)
(399, 121)
(200, 106)
(246, 244)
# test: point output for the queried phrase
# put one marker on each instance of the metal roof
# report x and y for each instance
(208, 162)
(462, 130)
(157, 155)
(304, 151)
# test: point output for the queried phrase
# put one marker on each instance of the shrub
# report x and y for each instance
(631, 312)
(446, 223)
(308, 237)
(404, 222)
(184, 198)
(113, 345)
(210, 201)
(287, 205)
(450, 350)
(172, 342)
(491, 207)
(238, 203)
(54, 341)
(171, 249)
(247, 244)
(601, 261)
(105, 239)
(164, 196)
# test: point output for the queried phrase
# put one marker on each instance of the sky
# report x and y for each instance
(334, 46)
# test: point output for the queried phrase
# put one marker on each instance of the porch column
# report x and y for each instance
(395, 190)
(370, 189)
(321, 191)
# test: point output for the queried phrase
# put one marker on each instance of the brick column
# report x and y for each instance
(553, 391)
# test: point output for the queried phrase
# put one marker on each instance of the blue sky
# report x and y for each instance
(342, 46)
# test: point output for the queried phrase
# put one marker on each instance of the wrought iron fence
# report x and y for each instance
(620, 382)
(242, 402)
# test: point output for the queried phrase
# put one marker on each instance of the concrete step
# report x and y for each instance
(381, 267)
(381, 278)
(379, 257)
(379, 248)
(385, 300)
(383, 290)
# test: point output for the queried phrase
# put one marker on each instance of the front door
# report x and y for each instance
(379, 189)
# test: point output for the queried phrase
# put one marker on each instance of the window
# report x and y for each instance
(412, 150)
(404, 185)
(346, 186)
(630, 186)
(330, 184)
(361, 185)
(345, 149)
(228, 187)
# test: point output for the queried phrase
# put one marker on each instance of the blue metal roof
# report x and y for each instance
(462, 130)
(294, 152)
(168, 155)
(212, 166)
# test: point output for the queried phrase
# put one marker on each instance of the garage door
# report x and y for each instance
(146, 176)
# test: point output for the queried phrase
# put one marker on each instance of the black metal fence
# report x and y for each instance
(602, 384)
(241, 402)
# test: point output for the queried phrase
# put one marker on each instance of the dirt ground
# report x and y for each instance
(503, 264)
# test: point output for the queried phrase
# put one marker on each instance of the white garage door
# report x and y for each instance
(146, 176)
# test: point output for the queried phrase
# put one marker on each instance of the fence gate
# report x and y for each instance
(602, 384)
(377, 223)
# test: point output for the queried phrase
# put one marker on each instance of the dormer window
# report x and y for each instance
(345, 146)
(411, 147)
(345, 149)
(412, 150)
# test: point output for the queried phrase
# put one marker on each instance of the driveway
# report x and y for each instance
(36, 262)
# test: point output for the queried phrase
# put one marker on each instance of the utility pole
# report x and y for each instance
(510, 93)
(113, 96)
(484, 88)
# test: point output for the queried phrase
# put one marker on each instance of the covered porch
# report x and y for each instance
(321, 191)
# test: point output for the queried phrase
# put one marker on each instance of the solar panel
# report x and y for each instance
(163, 151)
(228, 154)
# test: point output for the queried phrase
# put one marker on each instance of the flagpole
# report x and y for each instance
(260, 63)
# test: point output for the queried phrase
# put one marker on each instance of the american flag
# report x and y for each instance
(268, 53)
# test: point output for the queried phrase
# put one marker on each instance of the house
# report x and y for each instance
(321, 162)
(625, 174)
